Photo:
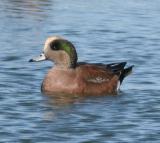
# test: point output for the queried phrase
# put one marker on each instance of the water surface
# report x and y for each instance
(103, 31)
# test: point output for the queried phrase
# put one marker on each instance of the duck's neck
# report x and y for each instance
(66, 61)
(69, 58)
(64, 66)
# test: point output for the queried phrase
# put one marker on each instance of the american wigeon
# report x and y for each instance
(70, 77)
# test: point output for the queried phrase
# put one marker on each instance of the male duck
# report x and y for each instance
(70, 77)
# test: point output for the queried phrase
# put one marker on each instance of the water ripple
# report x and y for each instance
(106, 31)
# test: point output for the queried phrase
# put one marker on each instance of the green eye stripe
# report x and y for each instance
(67, 47)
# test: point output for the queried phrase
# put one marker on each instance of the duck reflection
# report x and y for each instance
(60, 103)
(63, 99)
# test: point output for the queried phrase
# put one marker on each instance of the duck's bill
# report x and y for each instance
(41, 57)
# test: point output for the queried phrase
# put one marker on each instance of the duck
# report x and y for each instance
(70, 77)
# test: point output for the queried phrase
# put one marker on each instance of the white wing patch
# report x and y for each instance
(98, 80)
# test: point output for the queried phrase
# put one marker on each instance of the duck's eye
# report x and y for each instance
(54, 46)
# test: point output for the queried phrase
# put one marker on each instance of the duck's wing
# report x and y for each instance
(95, 73)
(97, 79)
(110, 70)
(114, 67)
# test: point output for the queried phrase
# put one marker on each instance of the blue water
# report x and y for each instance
(102, 31)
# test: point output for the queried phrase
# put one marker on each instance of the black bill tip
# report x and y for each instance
(31, 60)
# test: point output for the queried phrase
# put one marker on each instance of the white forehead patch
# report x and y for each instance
(49, 40)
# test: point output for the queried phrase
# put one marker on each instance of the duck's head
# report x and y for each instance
(60, 51)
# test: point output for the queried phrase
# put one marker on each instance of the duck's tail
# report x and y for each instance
(125, 72)
(120, 70)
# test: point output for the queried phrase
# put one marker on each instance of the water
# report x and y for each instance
(103, 31)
